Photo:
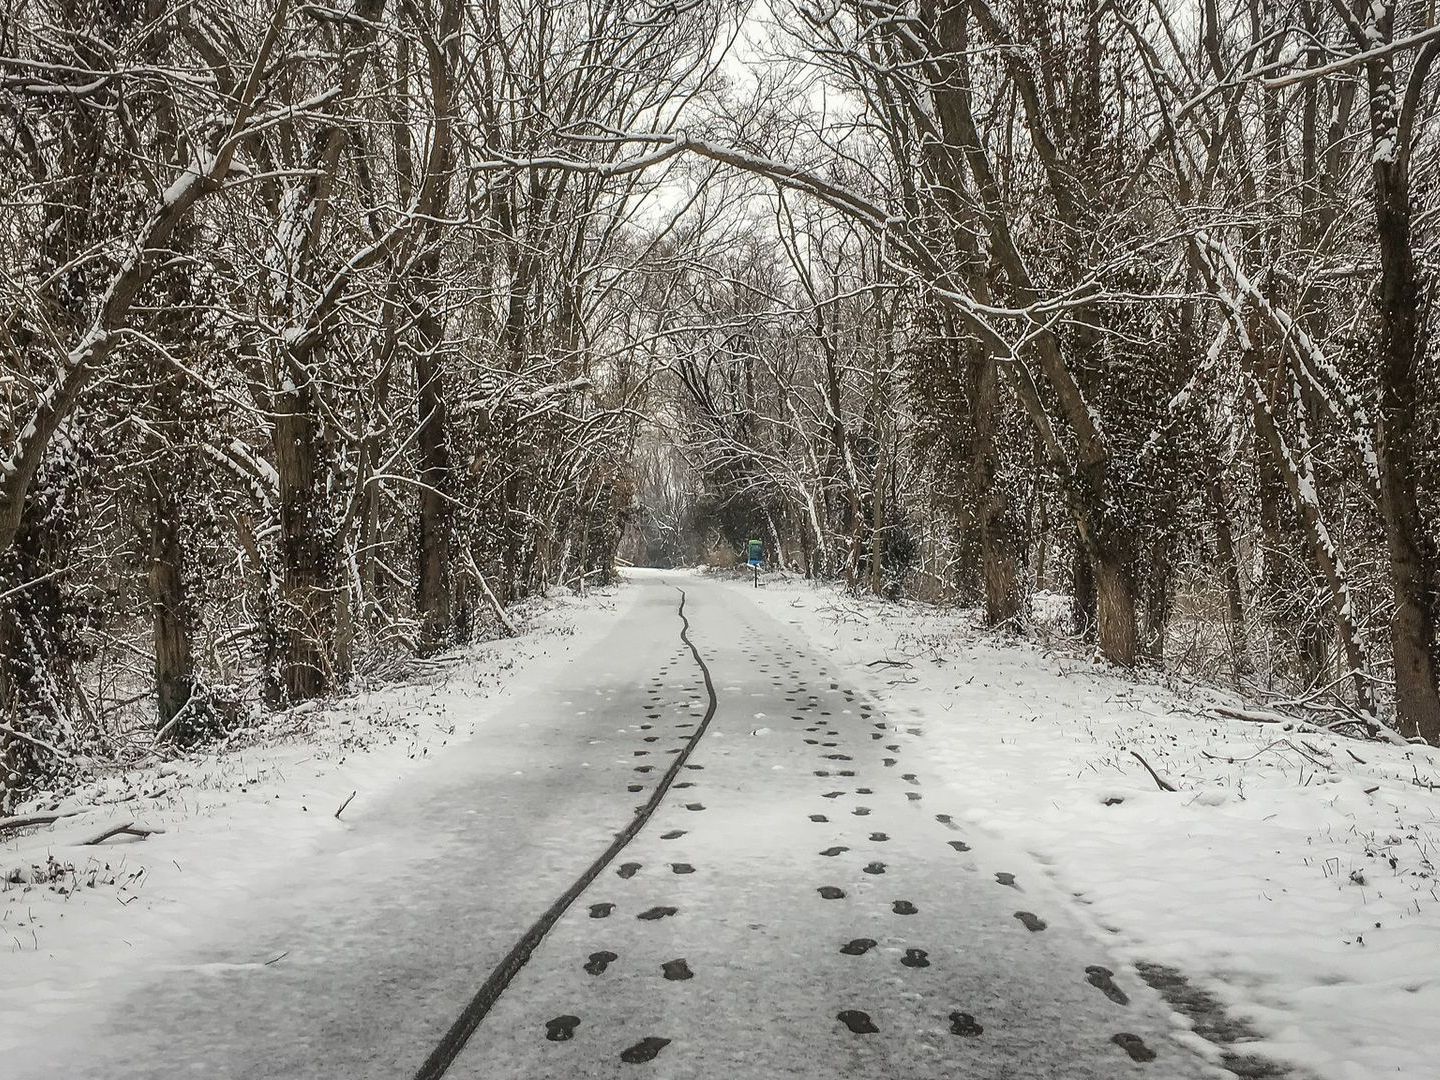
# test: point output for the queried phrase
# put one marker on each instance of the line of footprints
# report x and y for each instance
(962, 1024)
(563, 1028)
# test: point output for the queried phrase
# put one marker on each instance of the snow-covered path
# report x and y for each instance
(797, 906)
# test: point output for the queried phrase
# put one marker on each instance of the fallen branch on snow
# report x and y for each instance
(1254, 716)
(1372, 728)
(129, 827)
(29, 820)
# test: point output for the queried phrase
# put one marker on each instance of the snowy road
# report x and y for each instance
(796, 906)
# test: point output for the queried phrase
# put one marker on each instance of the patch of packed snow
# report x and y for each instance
(1291, 876)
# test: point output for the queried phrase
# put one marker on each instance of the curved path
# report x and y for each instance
(792, 903)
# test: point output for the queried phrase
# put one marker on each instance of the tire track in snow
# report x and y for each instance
(454, 1040)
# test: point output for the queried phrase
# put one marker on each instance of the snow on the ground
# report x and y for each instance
(70, 913)
(1292, 876)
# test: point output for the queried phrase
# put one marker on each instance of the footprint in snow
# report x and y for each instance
(683, 784)
(915, 958)
(833, 851)
(861, 811)
(818, 817)
(635, 787)
(599, 961)
(913, 796)
(879, 837)
(677, 970)
(628, 870)
(1134, 1046)
(858, 1022)
(681, 868)
(875, 868)
(673, 834)
(959, 845)
(1103, 979)
(561, 1028)
(1006, 879)
(962, 1023)
(1031, 921)
(601, 911)
(655, 913)
(644, 1050)
(859, 947)
(889, 761)
(832, 794)
(830, 892)
(904, 907)
(694, 806)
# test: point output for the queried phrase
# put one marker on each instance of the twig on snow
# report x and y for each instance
(1163, 784)
(343, 805)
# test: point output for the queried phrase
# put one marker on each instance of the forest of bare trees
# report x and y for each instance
(332, 330)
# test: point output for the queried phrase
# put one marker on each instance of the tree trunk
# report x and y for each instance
(37, 676)
(1082, 593)
(171, 619)
(1403, 351)
(1115, 609)
(1226, 556)
(999, 560)
(877, 524)
(434, 528)
(310, 579)
(1158, 591)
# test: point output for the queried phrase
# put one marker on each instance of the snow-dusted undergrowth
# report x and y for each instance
(1292, 875)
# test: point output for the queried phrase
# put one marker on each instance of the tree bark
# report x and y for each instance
(1403, 349)
(171, 618)
(309, 552)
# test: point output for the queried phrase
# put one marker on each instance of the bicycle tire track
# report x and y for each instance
(475, 1011)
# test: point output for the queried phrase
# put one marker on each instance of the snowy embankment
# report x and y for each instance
(74, 915)
(1291, 875)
